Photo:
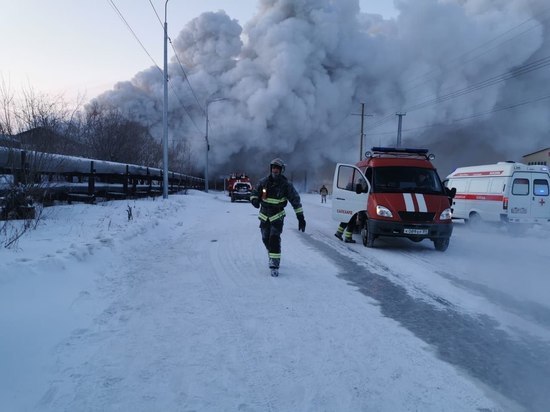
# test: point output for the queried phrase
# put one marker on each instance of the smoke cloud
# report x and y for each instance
(471, 76)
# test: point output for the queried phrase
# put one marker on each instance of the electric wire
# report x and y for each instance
(133, 33)
(519, 71)
(154, 62)
(179, 61)
(542, 16)
(460, 58)
(473, 116)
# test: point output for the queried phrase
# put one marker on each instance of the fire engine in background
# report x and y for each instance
(238, 186)
(394, 192)
(503, 192)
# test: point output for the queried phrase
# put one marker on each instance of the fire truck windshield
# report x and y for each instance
(400, 179)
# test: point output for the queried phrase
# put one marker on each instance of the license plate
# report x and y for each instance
(409, 231)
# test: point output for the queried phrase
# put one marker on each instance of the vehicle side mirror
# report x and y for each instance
(359, 188)
(451, 192)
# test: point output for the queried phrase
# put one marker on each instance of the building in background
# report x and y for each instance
(541, 157)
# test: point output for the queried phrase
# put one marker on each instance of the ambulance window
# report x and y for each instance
(458, 184)
(497, 185)
(540, 187)
(480, 185)
(520, 187)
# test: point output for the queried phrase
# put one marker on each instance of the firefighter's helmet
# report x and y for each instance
(277, 162)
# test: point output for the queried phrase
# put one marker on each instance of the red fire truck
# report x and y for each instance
(238, 187)
(394, 192)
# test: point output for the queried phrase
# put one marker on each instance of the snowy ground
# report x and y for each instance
(175, 310)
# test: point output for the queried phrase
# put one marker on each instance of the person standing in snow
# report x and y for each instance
(271, 195)
(324, 192)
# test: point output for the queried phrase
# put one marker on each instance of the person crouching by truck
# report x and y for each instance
(345, 230)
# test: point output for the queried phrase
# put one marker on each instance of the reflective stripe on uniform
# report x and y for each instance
(274, 201)
(276, 216)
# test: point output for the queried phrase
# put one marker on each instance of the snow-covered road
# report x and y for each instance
(175, 310)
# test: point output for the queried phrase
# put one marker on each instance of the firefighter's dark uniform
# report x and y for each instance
(274, 194)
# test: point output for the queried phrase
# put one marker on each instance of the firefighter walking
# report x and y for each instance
(271, 195)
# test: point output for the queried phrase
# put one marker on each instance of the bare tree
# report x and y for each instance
(7, 108)
(108, 135)
(179, 157)
(39, 122)
(45, 122)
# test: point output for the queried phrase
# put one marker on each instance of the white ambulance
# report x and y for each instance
(503, 192)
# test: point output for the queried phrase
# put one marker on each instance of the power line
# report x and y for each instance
(519, 71)
(543, 16)
(178, 60)
(133, 33)
(502, 108)
(473, 116)
(158, 17)
(461, 58)
(154, 62)
(186, 77)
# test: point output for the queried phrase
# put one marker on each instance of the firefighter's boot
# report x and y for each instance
(348, 238)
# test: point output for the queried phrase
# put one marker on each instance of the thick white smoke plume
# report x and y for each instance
(471, 76)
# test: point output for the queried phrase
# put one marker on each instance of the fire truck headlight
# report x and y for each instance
(446, 215)
(383, 211)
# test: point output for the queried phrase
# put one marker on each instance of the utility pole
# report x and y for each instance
(208, 101)
(362, 134)
(399, 128)
(165, 111)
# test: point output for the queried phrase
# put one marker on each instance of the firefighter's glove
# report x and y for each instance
(255, 202)
(301, 222)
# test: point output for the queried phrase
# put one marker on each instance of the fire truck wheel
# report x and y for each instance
(367, 237)
(441, 245)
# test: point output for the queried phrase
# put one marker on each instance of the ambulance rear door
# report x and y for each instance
(345, 199)
(529, 197)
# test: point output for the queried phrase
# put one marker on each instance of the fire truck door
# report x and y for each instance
(345, 200)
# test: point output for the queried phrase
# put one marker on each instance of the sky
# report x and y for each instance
(471, 76)
(78, 47)
(175, 310)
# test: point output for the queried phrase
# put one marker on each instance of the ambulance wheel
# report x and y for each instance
(367, 237)
(441, 245)
(475, 221)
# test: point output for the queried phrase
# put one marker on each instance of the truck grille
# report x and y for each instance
(416, 216)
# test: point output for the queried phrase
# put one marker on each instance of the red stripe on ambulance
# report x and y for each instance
(495, 198)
